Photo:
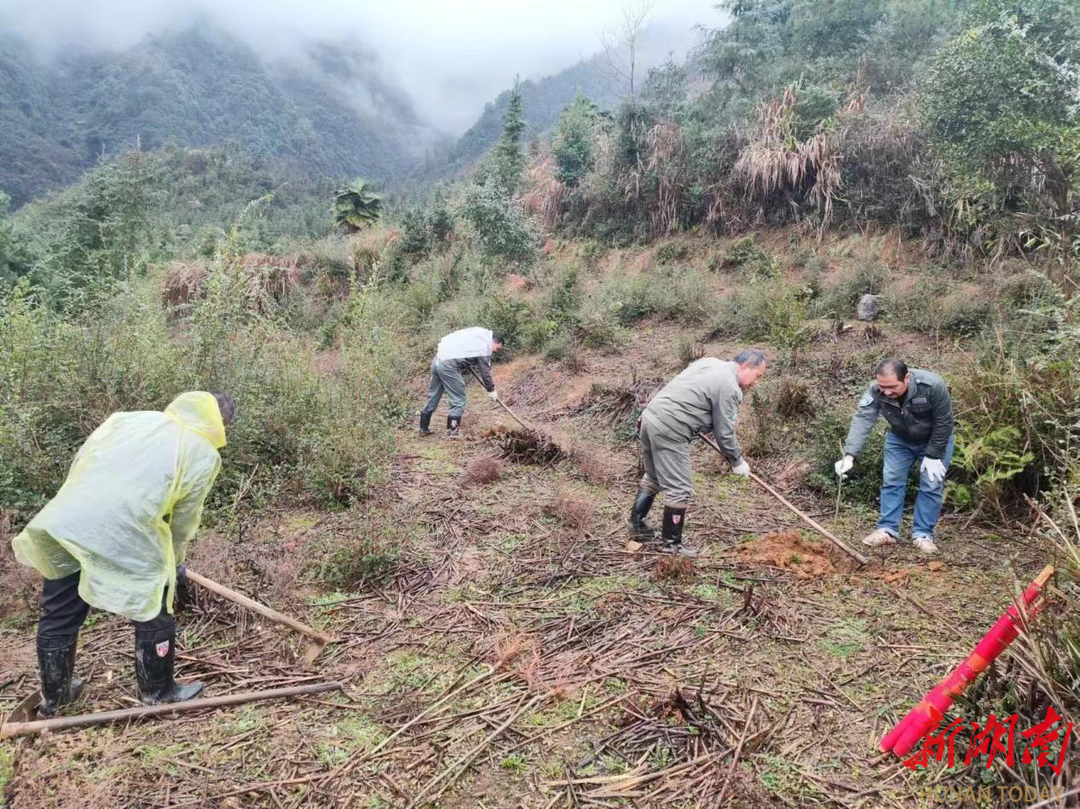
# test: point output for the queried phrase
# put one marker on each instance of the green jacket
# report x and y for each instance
(923, 416)
(704, 397)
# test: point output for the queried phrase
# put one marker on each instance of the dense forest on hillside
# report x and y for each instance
(918, 156)
(326, 111)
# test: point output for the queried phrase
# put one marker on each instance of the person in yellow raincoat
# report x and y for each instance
(115, 533)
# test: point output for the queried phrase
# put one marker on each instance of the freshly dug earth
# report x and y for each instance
(788, 550)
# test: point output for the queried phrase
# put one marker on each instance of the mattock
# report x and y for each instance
(319, 639)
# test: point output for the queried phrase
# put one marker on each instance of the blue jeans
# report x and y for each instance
(900, 456)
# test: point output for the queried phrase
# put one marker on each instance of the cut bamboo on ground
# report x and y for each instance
(10, 729)
(854, 554)
(320, 639)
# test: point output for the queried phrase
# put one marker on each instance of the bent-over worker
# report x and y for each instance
(115, 534)
(918, 409)
(460, 352)
(704, 397)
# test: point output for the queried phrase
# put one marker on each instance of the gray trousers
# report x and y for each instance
(667, 466)
(446, 377)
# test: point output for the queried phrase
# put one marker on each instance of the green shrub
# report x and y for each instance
(747, 255)
(770, 311)
(500, 226)
(299, 431)
(932, 307)
(672, 294)
(670, 252)
(599, 328)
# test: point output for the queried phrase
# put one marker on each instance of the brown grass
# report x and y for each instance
(545, 195)
(776, 163)
(574, 512)
(482, 471)
(674, 569)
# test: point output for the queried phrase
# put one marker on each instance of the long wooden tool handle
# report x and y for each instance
(850, 551)
(854, 554)
(513, 415)
(63, 722)
(255, 606)
(503, 404)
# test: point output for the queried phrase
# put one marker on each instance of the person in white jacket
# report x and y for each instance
(460, 352)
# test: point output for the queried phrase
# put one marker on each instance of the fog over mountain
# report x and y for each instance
(450, 57)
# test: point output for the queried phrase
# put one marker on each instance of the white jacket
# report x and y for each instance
(465, 344)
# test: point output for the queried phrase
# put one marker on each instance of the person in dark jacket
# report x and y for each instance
(461, 352)
(705, 397)
(918, 409)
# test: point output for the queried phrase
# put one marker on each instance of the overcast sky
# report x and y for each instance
(451, 55)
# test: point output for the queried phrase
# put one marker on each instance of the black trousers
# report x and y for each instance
(63, 612)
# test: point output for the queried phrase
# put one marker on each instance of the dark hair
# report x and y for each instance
(496, 337)
(753, 357)
(226, 406)
(892, 367)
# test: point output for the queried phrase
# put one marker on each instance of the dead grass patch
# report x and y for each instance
(482, 471)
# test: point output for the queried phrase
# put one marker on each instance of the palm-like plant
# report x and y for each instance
(356, 206)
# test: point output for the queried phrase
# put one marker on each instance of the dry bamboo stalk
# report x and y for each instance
(465, 760)
(320, 638)
(86, 720)
(350, 766)
(738, 751)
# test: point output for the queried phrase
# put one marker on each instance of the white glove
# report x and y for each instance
(493, 396)
(843, 466)
(742, 469)
(934, 469)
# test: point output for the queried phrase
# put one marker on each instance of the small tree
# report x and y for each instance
(501, 226)
(507, 159)
(356, 206)
(620, 43)
(573, 143)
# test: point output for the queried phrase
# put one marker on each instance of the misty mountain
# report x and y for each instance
(544, 99)
(325, 110)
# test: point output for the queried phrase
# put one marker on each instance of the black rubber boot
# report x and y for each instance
(155, 656)
(671, 532)
(637, 524)
(453, 426)
(56, 664)
(425, 423)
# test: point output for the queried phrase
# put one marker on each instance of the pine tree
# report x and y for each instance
(508, 161)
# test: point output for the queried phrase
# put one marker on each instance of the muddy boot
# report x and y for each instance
(453, 426)
(425, 423)
(671, 532)
(155, 655)
(638, 527)
(56, 663)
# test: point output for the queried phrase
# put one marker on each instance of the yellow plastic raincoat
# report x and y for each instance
(131, 503)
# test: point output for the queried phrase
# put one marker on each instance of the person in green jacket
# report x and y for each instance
(115, 535)
(704, 398)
